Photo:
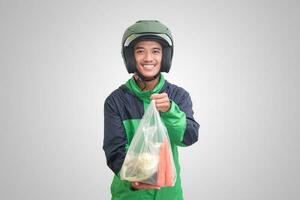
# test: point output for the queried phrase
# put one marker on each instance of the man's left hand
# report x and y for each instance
(162, 102)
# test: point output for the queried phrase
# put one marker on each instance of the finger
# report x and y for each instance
(162, 100)
(147, 186)
(152, 187)
(163, 104)
(135, 183)
(158, 96)
(163, 107)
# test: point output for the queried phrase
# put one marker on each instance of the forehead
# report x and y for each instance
(148, 44)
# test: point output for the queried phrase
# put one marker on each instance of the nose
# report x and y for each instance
(148, 56)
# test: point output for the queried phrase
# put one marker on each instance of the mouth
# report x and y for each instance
(148, 66)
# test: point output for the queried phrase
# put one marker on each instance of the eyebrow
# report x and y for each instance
(155, 48)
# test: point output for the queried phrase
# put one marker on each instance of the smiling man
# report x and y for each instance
(147, 50)
(148, 56)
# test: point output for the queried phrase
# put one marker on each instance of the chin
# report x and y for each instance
(149, 75)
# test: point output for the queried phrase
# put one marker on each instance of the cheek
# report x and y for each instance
(137, 59)
(159, 59)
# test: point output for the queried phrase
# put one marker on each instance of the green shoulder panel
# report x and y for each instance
(130, 126)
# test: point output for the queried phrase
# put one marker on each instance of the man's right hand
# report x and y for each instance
(138, 185)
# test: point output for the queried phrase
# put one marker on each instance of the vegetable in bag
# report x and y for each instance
(149, 158)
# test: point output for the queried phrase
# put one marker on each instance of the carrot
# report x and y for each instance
(169, 168)
(161, 172)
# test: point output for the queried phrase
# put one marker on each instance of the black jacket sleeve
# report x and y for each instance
(114, 136)
(192, 127)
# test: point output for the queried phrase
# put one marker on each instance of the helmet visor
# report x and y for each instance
(135, 36)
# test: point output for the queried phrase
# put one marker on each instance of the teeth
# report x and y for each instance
(148, 66)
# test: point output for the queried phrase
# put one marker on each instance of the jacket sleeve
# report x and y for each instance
(182, 127)
(114, 137)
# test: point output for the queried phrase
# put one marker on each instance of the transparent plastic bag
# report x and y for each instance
(149, 158)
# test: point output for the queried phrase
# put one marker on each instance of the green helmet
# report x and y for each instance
(147, 30)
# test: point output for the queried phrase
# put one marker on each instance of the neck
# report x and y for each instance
(150, 85)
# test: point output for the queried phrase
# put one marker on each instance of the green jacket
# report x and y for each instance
(123, 111)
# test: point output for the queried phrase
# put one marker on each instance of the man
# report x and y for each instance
(147, 50)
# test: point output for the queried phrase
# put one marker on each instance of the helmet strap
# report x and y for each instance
(142, 79)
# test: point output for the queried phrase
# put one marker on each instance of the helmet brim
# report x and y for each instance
(161, 38)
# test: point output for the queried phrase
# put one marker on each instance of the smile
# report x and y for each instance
(148, 66)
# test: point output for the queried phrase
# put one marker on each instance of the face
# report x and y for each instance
(148, 56)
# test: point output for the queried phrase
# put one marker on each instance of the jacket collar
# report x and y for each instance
(144, 95)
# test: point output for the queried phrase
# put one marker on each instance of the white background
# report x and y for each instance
(239, 60)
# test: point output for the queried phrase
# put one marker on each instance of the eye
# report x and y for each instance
(156, 51)
(139, 51)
